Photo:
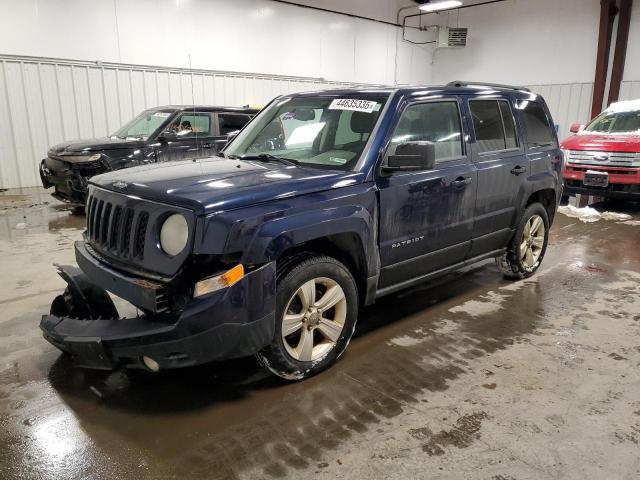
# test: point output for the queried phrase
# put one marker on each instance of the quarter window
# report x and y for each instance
(231, 122)
(493, 125)
(539, 131)
(437, 122)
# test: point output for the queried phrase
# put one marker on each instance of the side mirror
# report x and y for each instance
(576, 127)
(411, 156)
(167, 136)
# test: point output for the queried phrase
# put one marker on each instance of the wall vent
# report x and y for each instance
(449, 37)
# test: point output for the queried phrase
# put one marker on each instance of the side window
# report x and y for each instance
(192, 124)
(437, 122)
(539, 131)
(493, 125)
(231, 122)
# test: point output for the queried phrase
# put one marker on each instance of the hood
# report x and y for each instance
(215, 184)
(94, 145)
(629, 143)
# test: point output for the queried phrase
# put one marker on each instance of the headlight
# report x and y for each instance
(174, 234)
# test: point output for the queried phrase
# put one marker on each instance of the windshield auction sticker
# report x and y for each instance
(353, 104)
(161, 114)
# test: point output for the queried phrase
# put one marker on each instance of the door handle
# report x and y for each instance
(461, 182)
(518, 170)
(206, 145)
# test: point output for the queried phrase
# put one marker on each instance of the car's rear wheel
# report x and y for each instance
(316, 311)
(528, 245)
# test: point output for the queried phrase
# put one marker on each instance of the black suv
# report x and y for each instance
(325, 202)
(156, 135)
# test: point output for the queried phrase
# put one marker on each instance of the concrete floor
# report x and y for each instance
(475, 377)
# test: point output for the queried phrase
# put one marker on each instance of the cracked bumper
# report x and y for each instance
(234, 322)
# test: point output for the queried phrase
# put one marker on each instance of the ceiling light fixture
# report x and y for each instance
(439, 5)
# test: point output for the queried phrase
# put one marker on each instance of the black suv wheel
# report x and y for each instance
(316, 311)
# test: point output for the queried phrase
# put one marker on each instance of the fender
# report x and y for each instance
(278, 235)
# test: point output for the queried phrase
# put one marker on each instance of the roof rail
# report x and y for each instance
(460, 83)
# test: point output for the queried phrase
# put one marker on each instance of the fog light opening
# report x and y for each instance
(151, 364)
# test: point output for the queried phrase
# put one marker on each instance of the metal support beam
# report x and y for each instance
(608, 12)
(620, 51)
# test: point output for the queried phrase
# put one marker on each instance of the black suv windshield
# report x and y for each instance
(144, 125)
(317, 131)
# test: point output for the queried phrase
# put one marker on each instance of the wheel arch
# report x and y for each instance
(548, 198)
(346, 233)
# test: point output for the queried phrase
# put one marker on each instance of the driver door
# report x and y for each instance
(185, 136)
(426, 216)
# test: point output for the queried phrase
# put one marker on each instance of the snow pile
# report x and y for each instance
(589, 215)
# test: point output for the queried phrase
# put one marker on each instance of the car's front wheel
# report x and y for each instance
(316, 312)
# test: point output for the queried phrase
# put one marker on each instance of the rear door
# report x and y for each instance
(226, 126)
(426, 216)
(502, 172)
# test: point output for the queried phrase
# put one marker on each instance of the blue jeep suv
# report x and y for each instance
(324, 202)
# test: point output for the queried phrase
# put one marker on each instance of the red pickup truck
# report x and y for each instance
(603, 157)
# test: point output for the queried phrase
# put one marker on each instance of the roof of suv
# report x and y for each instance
(208, 108)
(458, 87)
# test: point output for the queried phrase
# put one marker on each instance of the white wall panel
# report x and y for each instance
(48, 101)
(632, 64)
(630, 90)
(523, 42)
(240, 35)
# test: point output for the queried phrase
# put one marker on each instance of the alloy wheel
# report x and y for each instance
(314, 319)
(532, 241)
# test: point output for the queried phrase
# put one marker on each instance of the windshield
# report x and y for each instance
(144, 125)
(615, 122)
(315, 131)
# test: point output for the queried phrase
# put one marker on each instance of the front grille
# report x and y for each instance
(124, 229)
(614, 159)
(116, 230)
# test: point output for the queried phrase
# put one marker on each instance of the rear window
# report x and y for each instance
(493, 125)
(539, 130)
(231, 122)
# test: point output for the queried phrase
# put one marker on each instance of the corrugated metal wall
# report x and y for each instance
(630, 90)
(569, 103)
(47, 101)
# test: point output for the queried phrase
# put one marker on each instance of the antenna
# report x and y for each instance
(193, 104)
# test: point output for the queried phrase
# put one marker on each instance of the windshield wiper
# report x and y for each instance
(267, 157)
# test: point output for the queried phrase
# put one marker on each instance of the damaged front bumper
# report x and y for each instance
(69, 180)
(234, 322)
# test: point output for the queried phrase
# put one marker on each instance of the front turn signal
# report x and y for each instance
(213, 284)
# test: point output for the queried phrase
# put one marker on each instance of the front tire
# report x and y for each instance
(316, 312)
(528, 246)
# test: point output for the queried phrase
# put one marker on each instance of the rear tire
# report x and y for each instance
(528, 246)
(316, 312)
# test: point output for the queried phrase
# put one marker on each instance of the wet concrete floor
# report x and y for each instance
(472, 377)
